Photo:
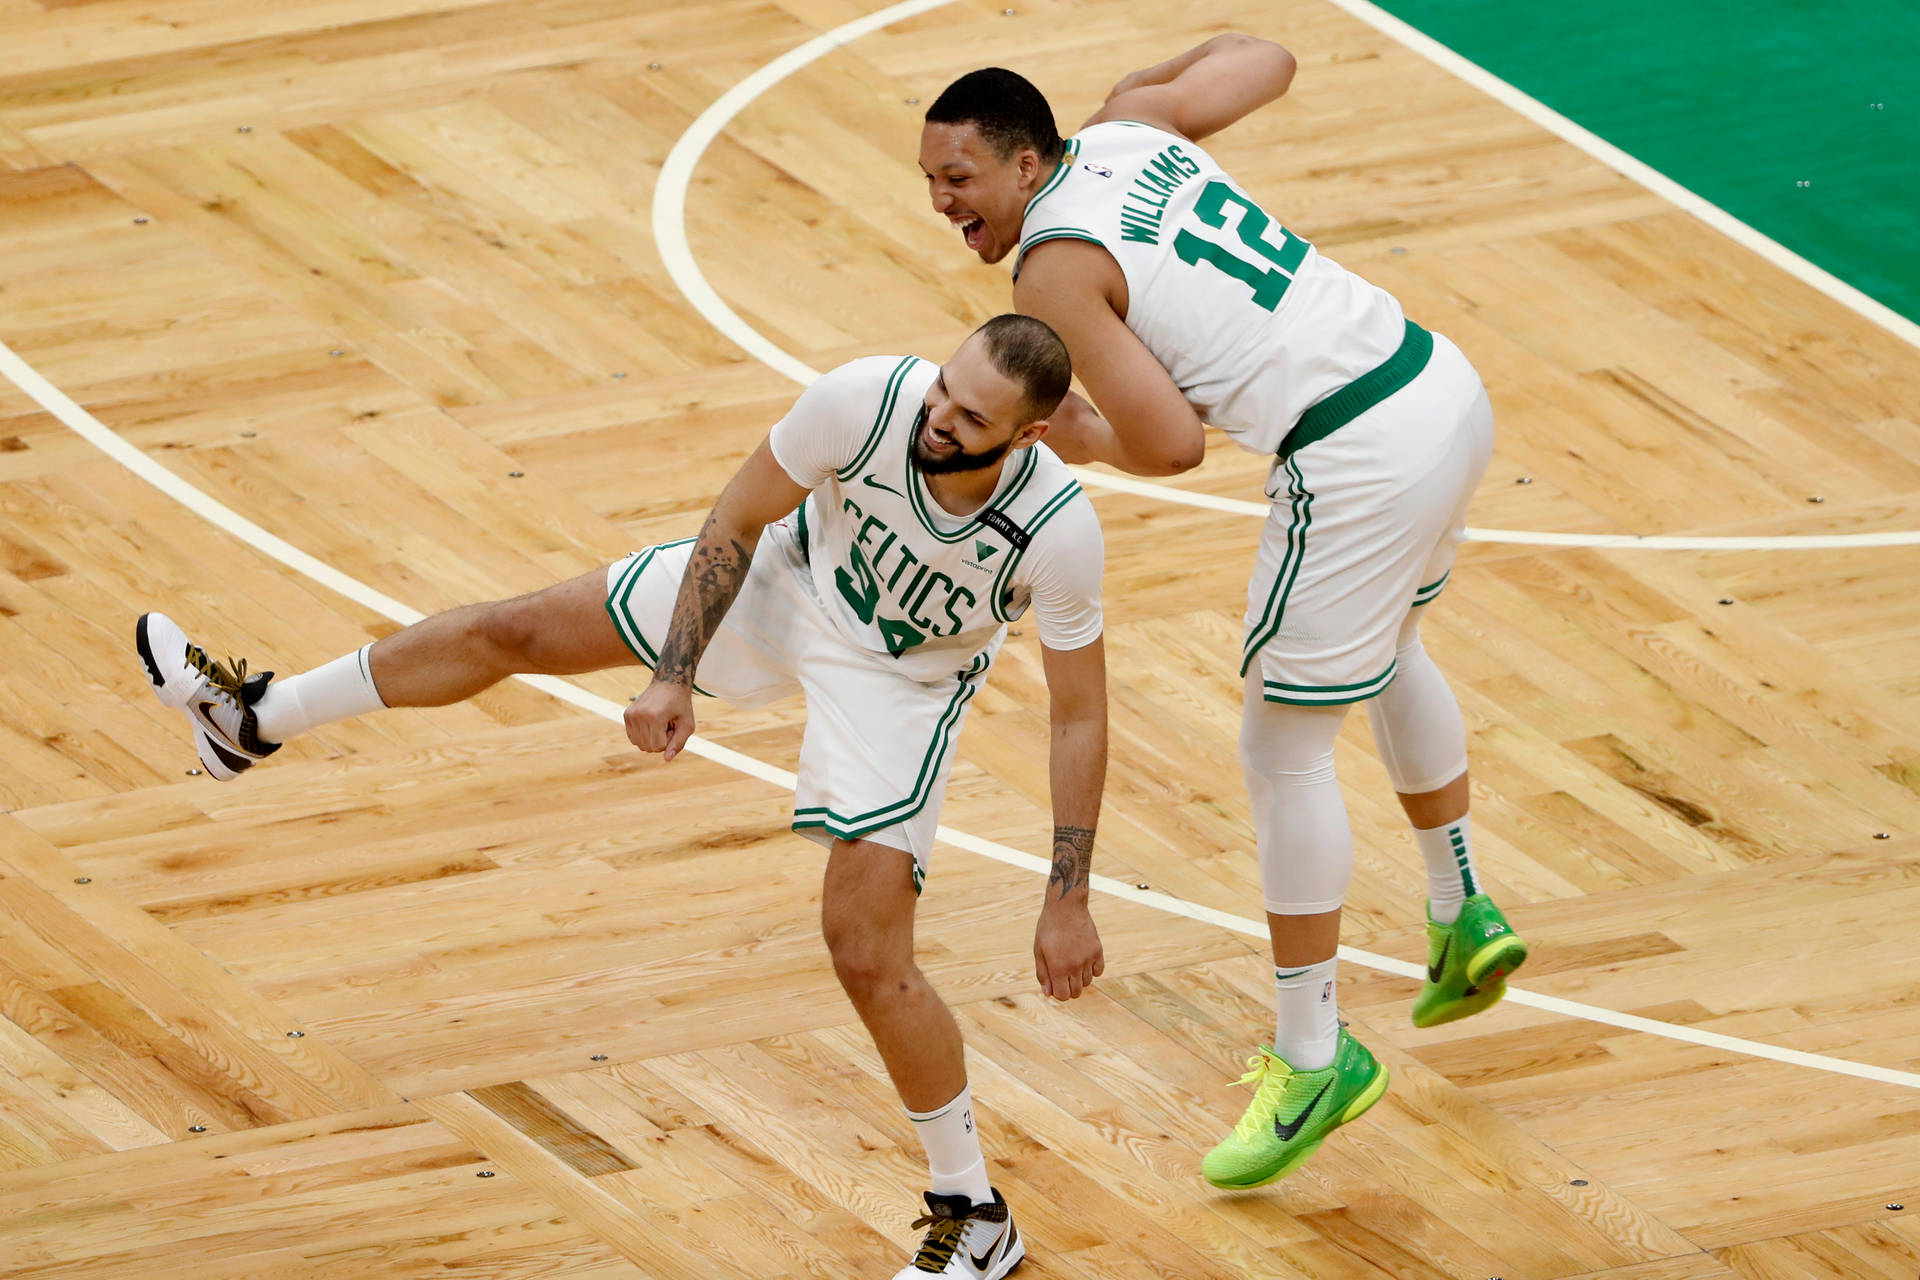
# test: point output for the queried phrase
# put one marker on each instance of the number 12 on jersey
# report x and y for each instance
(1269, 284)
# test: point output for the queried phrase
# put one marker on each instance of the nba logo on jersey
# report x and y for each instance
(1101, 170)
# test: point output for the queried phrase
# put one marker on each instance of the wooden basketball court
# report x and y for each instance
(484, 993)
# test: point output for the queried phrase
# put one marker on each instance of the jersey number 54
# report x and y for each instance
(861, 590)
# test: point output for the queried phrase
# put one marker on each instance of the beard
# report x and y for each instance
(959, 460)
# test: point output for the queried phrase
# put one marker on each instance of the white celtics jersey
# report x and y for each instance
(896, 572)
(1253, 324)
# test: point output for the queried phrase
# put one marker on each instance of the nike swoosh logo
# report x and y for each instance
(998, 1249)
(1286, 1132)
(200, 708)
(1439, 966)
(876, 484)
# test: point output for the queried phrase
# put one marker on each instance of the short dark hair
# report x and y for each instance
(1028, 352)
(1009, 112)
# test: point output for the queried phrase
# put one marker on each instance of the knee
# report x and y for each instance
(1290, 744)
(868, 967)
(509, 631)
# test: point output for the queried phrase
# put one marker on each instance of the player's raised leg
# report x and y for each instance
(1316, 1077)
(1423, 743)
(240, 717)
(866, 915)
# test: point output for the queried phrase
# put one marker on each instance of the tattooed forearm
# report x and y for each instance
(1072, 859)
(714, 577)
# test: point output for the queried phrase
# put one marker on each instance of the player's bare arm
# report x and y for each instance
(1203, 90)
(761, 492)
(1067, 956)
(1145, 426)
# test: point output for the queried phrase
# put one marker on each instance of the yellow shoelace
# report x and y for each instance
(943, 1237)
(1260, 1067)
(222, 677)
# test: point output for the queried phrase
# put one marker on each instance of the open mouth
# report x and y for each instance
(973, 231)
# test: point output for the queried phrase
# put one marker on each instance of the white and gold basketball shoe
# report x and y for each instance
(965, 1240)
(216, 698)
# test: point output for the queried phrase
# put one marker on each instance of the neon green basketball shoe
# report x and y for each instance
(1467, 963)
(1292, 1113)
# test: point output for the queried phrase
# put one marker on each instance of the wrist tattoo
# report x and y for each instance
(1072, 859)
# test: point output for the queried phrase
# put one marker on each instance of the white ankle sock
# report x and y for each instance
(1448, 852)
(954, 1163)
(1307, 1025)
(341, 688)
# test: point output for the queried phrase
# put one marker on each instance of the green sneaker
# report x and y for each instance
(1467, 963)
(1292, 1113)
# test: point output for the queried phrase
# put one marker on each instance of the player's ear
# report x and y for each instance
(1030, 434)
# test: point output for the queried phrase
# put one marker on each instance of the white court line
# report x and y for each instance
(670, 234)
(92, 430)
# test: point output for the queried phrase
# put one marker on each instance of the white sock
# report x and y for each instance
(341, 688)
(1450, 878)
(1306, 1028)
(954, 1163)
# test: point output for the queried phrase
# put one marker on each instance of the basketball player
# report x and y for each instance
(870, 553)
(1183, 301)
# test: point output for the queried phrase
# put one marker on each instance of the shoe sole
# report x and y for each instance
(1496, 960)
(1375, 1090)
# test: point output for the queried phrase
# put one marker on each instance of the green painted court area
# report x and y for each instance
(1740, 101)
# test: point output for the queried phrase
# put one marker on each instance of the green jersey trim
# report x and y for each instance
(617, 610)
(1327, 416)
(1003, 581)
(887, 400)
(1328, 695)
(1055, 233)
(853, 826)
(1300, 500)
(1068, 154)
(1028, 464)
(1432, 590)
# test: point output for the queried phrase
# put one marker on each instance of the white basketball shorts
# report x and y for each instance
(877, 747)
(1364, 527)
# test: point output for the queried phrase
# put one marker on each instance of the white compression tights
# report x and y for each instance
(1306, 844)
(1286, 753)
(1416, 721)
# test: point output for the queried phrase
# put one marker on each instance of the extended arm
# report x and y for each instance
(1066, 947)
(761, 492)
(1148, 427)
(1203, 90)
